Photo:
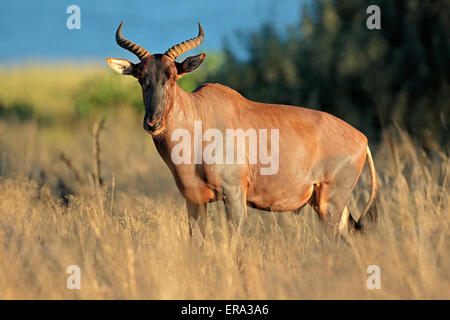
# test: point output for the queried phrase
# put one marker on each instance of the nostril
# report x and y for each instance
(157, 126)
(153, 123)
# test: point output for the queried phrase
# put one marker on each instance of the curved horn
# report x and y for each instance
(181, 48)
(140, 52)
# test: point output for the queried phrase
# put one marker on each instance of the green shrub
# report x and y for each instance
(18, 110)
(102, 95)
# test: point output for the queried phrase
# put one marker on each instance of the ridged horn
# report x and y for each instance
(181, 48)
(140, 52)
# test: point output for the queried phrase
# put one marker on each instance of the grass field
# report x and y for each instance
(130, 237)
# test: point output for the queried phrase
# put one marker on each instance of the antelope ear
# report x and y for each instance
(190, 64)
(121, 66)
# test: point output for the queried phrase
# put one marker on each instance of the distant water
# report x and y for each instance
(36, 30)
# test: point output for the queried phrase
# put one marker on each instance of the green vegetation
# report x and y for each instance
(21, 111)
(102, 95)
(370, 78)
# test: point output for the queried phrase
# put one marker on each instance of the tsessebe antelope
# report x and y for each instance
(320, 156)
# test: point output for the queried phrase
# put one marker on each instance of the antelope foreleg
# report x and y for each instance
(236, 208)
(236, 211)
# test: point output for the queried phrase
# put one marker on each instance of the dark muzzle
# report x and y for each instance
(152, 126)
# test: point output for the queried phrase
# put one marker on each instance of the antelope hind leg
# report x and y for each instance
(330, 205)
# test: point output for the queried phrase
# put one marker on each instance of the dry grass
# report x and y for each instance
(131, 240)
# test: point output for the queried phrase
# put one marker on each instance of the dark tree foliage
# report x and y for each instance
(371, 78)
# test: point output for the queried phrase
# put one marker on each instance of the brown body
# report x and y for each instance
(320, 156)
(314, 146)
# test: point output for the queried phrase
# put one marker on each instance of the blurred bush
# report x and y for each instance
(18, 110)
(100, 96)
(371, 78)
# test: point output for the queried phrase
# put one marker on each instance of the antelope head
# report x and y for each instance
(157, 75)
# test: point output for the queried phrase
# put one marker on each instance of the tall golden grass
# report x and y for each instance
(131, 241)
